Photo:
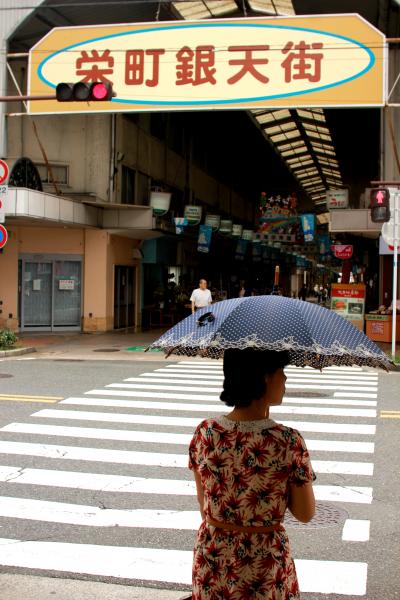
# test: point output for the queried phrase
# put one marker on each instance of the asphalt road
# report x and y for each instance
(93, 511)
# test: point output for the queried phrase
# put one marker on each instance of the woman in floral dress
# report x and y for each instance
(248, 471)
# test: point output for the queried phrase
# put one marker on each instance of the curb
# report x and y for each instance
(16, 352)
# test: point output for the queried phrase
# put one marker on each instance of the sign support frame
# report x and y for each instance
(395, 268)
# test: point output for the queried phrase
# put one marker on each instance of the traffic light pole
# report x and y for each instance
(395, 262)
(26, 98)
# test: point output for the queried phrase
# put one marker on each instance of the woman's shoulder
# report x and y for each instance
(289, 434)
(207, 425)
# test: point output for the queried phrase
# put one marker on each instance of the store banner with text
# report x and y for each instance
(317, 60)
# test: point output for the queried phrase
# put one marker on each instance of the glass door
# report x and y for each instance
(36, 296)
(67, 294)
(50, 294)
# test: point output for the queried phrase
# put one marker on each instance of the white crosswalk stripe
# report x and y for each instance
(70, 444)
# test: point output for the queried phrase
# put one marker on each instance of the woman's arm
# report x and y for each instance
(302, 502)
(200, 493)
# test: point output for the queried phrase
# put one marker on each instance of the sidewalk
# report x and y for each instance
(93, 346)
(16, 587)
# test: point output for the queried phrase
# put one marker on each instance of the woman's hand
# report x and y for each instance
(200, 493)
(302, 502)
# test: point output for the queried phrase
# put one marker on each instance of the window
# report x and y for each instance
(60, 174)
(127, 185)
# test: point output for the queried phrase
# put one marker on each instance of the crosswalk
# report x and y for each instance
(111, 465)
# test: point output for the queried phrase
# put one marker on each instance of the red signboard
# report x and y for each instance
(347, 292)
(343, 251)
(3, 171)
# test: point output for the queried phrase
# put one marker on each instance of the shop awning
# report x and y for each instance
(31, 207)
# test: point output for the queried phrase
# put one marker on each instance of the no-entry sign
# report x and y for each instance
(4, 171)
(3, 236)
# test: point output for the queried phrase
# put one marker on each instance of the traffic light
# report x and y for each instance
(379, 205)
(96, 91)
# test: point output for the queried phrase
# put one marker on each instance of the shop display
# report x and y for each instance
(348, 300)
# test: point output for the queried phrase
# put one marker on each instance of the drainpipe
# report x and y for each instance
(111, 187)
(3, 91)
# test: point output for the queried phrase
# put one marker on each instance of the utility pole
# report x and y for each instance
(395, 238)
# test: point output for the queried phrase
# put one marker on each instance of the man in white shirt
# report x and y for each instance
(201, 297)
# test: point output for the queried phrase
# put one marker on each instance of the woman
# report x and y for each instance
(248, 471)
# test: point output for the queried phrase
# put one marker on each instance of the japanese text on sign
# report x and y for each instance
(197, 66)
(247, 63)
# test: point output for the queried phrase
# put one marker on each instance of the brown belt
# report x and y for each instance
(243, 528)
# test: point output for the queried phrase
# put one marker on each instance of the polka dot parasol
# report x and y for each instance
(314, 336)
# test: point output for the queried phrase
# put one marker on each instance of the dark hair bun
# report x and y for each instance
(245, 372)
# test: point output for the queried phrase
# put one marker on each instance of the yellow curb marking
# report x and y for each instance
(24, 398)
(390, 414)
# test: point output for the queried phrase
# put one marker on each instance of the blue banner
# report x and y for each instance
(204, 241)
(308, 225)
(241, 249)
(180, 224)
(324, 244)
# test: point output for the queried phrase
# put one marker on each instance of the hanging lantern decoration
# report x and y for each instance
(226, 226)
(213, 221)
(193, 214)
(160, 202)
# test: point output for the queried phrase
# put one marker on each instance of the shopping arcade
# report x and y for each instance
(311, 125)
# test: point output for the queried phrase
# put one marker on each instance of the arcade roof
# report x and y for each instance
(301, 137)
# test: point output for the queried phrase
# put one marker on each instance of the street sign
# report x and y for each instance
(4, 171)
(337, 199)
(343, 251)
(258, 63)
(3, 195)
(3, 236)
(385, 249)
(388, 233)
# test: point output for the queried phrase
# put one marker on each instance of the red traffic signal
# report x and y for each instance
(96, 91)
(380, 206)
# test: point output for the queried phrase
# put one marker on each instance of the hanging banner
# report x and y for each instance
(193, 214)
(324, 244)
(241, 249)
(204, 241)
(308, 225)
(180, 224)
(292, 61)
(226, 226)
(257, 252)
(237, 230)
(214, 221)
(342, 251)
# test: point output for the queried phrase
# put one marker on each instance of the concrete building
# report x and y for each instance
(84, 245)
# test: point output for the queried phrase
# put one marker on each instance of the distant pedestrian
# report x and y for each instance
(303, 293)
(201, 296)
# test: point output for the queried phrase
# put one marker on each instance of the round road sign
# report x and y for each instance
(3, 236)
(4, 171)
(387, 233)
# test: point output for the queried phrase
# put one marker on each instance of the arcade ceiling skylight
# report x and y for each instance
(300, 136)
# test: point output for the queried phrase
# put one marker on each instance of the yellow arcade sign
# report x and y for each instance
(337, 60)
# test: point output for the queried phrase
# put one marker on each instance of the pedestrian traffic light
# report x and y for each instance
(97, 91)
(379, 205)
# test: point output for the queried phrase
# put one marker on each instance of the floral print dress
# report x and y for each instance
(246, 468)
